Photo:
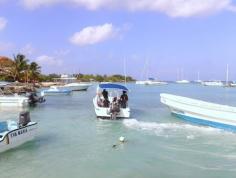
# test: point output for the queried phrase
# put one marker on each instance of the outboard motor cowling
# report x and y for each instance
(24, 118)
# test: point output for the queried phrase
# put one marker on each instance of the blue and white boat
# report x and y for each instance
(201, 112)
(13, 134)
(53, 90)
(106, 111)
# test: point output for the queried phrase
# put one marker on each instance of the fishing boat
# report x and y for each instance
(103, 108)
(70, 83)
(54, 90)
(201, 112)
(13, 134)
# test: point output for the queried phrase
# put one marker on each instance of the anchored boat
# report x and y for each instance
(13, 100)
(70, 83)
(13, 134)
(201, 112)
(110, 103)
(53, 90)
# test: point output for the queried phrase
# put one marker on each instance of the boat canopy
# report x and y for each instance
(112, 86)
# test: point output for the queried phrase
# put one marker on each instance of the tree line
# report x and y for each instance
(22, 70)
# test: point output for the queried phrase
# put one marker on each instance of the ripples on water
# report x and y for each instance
(71, 142)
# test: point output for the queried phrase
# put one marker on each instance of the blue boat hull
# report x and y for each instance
(206, 122)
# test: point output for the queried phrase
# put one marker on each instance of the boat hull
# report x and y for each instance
(13, 101)
(104, 113)
(18, 137)
(75, 86)
(200, 112)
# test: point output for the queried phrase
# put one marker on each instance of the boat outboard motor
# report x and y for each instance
(24, 118)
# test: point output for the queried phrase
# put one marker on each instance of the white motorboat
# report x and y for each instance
(201, 112)
(13, 100)
(151, 81)
(54, 90)
(182, 81)
(13, 134)
(105, 111)
(70, 83)
(213, 83)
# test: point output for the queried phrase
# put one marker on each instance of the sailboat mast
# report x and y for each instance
(227, 75)
(125, 69)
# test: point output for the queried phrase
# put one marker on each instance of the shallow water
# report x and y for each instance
(72, 143)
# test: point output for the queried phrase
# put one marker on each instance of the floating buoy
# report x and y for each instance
(122, 139)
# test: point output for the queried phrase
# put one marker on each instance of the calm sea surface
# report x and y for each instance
(72, 143)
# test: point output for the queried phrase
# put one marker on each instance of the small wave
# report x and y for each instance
(159, 128)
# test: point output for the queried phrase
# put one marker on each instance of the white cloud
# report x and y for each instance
(173, 8)
(3, 23)
(49, 60)
(93, 34)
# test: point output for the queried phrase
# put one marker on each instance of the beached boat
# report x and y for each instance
(213, 83)
(53, 90)
(106, 111)
(13, 134)
(201, 112)
(70, 83)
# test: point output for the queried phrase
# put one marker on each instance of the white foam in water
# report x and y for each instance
(160, 128)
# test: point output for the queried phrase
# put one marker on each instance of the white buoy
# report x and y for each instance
(122, 139)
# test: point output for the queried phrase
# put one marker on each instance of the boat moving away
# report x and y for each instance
(13, 134)
(104, 103)
(201, 112)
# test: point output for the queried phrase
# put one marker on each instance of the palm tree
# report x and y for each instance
(34, 71)
(20, 67)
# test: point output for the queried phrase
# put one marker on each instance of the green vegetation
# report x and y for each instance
(19, 69)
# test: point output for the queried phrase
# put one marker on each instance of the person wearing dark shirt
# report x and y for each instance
(124, 99)
(105, 94)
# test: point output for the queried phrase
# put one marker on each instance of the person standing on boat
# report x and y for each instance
(105, 94)
(124, 99)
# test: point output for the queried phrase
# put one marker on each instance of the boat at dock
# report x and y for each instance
(103, 108)
(13, 100)
(53, 90)
(13, 134)
(201, 112)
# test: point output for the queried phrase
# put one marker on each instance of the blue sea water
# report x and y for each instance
(71, 142)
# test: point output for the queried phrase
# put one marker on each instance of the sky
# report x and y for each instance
(154, 38)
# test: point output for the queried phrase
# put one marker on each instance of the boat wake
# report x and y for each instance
(170, 128)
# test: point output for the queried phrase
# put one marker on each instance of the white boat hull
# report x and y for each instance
(103, 112)
(219, 84)
(215, 115)
(149, 82)
(13, 101)
(18, 137)
(75, 86)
